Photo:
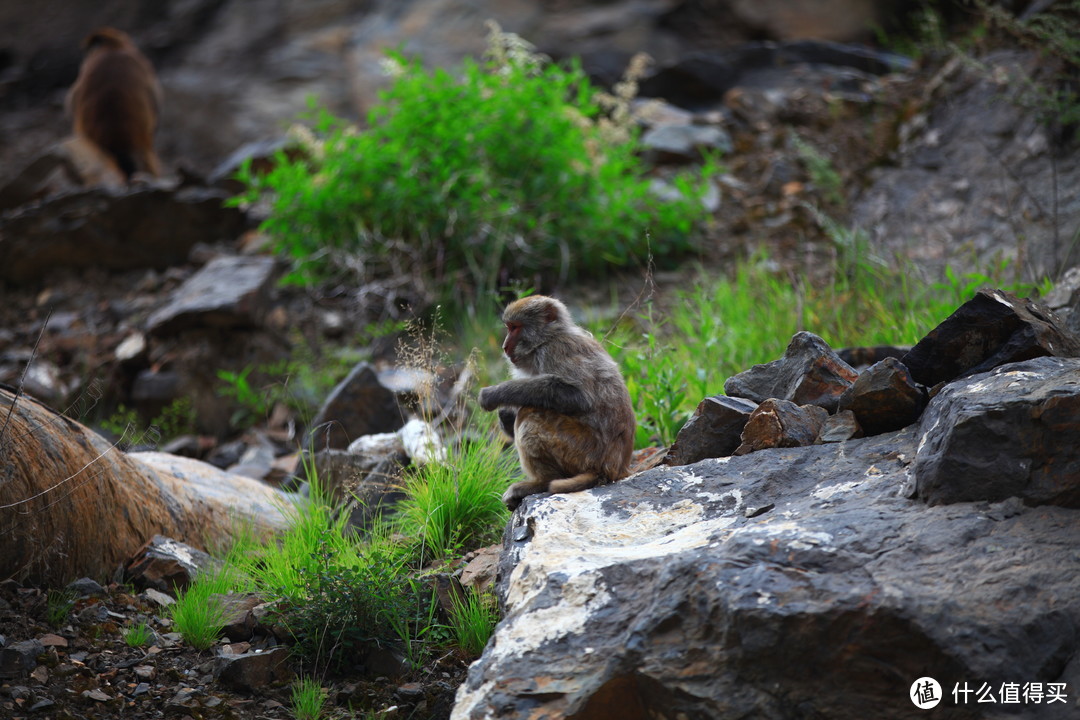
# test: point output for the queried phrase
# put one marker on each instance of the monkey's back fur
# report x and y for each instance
(115, 100)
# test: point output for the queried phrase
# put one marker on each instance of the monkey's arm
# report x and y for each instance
(547, 392)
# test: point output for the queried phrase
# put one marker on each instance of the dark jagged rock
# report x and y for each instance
(252, 671)
(703, 77)
(780, 424)
(143, 227)
(810, 373)
(166, 565)
(991, 329)
(714, 430)
(229, 292)
(359, 405)
(884, 397)
(19, 658)
(1012, 432)
(840, 427)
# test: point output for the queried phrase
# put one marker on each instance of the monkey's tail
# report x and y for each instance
(584, 481)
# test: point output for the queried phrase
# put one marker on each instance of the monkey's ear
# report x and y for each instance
(551, 314)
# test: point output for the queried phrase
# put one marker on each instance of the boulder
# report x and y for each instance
(63, 474)
(991, 329)
(1012, 432)
(679, 593)
(810, 373)
(713, 430)
(781, 423)
(359, 405)
(884, 397)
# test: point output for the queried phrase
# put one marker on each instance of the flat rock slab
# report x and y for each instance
(658, 597)
(228, 292)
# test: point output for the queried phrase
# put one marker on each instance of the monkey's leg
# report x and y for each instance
(584, 481)
(517, 492)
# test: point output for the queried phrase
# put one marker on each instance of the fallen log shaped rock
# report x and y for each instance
(73, 505)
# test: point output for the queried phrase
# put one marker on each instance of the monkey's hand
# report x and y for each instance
(488, 399)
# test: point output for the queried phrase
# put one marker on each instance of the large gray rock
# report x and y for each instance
(1012, 432)
(658, 597)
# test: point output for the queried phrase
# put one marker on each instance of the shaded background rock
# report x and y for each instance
(117, 230)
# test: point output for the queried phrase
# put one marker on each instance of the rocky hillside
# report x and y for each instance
(777, 569)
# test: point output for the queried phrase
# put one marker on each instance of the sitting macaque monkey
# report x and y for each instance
(567, 407)
(115, 101)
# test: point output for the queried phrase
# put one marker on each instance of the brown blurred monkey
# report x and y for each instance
(115, 102)
(567, 409)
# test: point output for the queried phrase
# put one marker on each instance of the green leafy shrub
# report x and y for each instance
(349, 602)
(511, 167)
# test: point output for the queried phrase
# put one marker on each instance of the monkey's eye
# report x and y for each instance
(513, 327)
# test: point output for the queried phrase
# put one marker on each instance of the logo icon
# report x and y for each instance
(925, 693)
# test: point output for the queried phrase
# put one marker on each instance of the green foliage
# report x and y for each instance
(823, 173)
(254, 404)
(351, 601)
(138, 635)
(681, 349)
(196, 614)
(58, 606)
(473, 621)
(456, 505)
(508, 167)
(176, 419)
(308, 699)
(1055, 33)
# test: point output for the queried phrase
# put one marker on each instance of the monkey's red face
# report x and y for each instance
(513, 334)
